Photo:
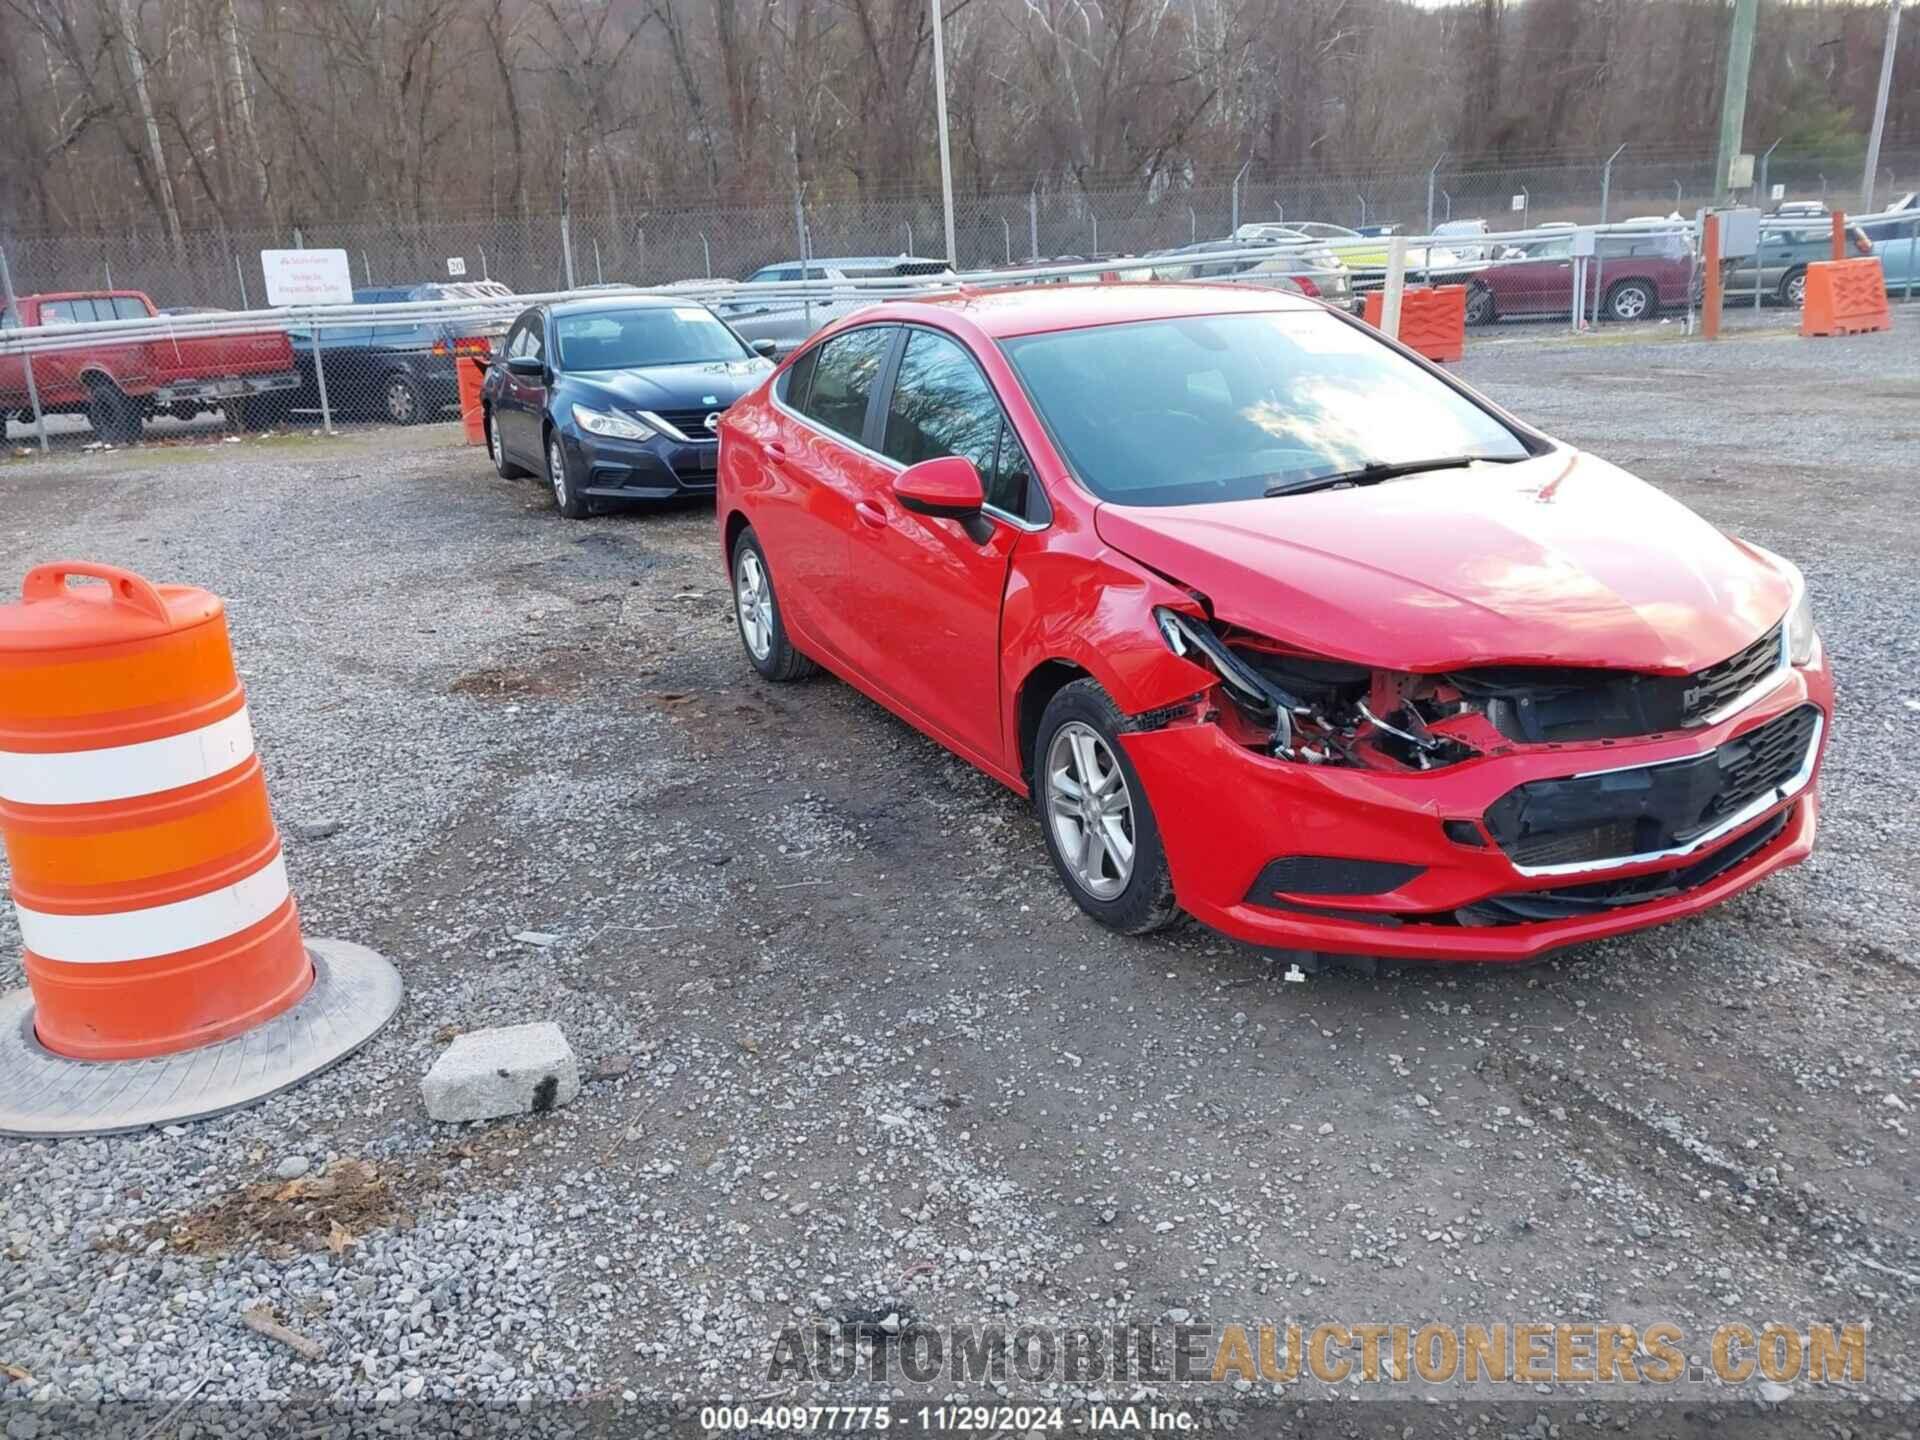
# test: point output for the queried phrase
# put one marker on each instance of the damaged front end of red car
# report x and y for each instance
(1480, 812)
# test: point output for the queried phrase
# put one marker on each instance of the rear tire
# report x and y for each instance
(114, 417)
(502, 466)
(756, 609)
(400, 400)
(1632, 300)
(1085, 786)
(257, 412)
(1479, 304)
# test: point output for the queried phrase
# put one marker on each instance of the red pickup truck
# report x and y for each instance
(118, 383)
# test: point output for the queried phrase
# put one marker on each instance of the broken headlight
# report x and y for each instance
(1193, 639)
(1312, 709)
(1801, 636)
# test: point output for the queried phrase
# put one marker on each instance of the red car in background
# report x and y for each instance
(117, 383)
(1276, 623)
(1642, 275)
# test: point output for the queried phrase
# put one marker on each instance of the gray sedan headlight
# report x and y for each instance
(1801, 636)
(605, 422)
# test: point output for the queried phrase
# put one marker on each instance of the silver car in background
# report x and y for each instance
(1298, 263)
(788, 321)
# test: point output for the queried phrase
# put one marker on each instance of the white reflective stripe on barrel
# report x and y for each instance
(120, 772)
(158, 929)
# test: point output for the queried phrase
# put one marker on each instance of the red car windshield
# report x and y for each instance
(1233, 407)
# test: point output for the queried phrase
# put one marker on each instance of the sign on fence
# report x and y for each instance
(1519, 203)
(307, 277)
(456, 265)
(1779, 191)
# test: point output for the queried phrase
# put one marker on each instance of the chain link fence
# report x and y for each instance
(669, 242)
(401, 370)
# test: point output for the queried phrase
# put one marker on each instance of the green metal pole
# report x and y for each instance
(1733, 100)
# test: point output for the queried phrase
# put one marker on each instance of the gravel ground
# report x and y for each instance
(855, 1053)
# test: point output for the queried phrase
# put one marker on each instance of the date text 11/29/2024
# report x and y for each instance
(947, 1419)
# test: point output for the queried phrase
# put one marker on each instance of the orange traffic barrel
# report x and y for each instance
(155, 912)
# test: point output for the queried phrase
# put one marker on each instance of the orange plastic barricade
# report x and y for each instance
(1433, 319)
(473, 374)
(154, 906)
(1845, 297)
(470, 355)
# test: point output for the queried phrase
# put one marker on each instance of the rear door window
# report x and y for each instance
(64, 312)
(844, 377)
(795, 381)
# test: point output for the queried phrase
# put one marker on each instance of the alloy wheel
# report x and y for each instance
(399, 401)
(1090, 809)
(557, 470)
(1797, 290)
(1630, 303)
(493, 436)
(753, 602)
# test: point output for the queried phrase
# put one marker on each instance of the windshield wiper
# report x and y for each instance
(1377, 470)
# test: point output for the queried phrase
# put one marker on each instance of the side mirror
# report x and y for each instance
(528, 367)
(769, 348)
(945, 489)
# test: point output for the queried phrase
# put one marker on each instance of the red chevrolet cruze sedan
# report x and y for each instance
(1277, 623)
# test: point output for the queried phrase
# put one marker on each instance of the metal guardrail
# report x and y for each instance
(488, 316)
(501, 311)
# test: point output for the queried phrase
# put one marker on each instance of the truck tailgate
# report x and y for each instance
(206, 356)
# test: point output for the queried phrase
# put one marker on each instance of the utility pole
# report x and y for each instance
(940, 110)
(1880, 108)
(1733, 100)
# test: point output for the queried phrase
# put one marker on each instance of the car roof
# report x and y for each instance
(1032, 309)
(855, 260)
(46, 295)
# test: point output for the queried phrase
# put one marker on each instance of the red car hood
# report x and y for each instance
(1560, 560)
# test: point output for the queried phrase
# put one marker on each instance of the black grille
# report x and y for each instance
(690, 423)
(1520, 907)
(1720, 685)
(1649, 808)
(1542, 705)
(1329, 875)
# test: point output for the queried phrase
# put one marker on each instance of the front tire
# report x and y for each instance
(1632, 300)
(763, 634)
(567, 498)
(1793, 288)
(1093, 810)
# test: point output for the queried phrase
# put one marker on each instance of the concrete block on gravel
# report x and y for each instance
(505, 1071)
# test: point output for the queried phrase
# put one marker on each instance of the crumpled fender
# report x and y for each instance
(1117, 642)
